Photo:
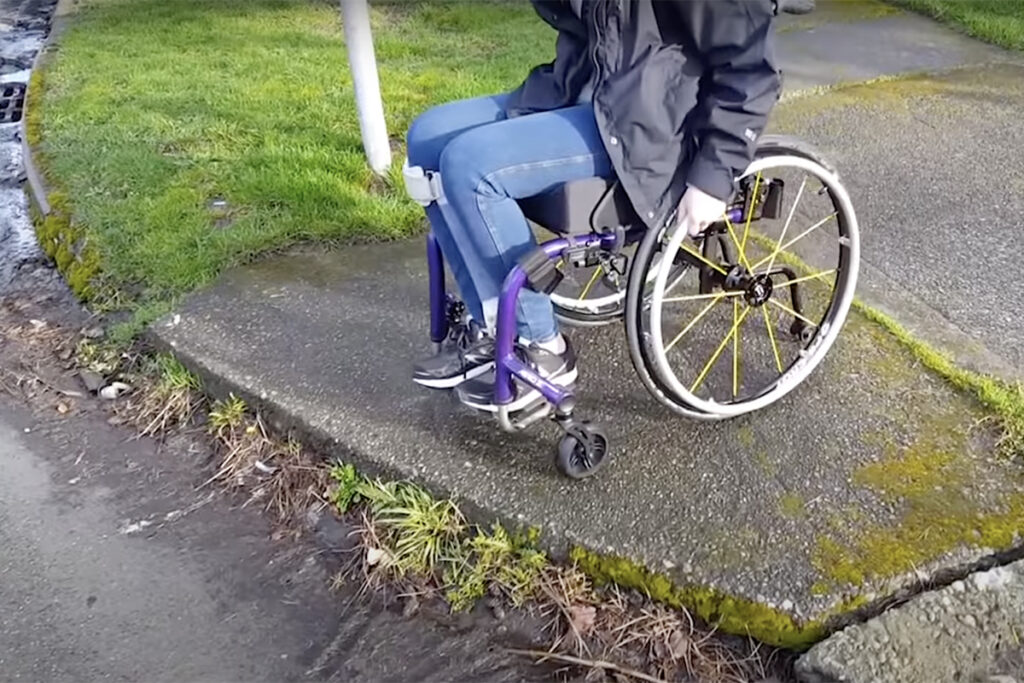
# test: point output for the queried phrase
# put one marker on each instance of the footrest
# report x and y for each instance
(541, 273)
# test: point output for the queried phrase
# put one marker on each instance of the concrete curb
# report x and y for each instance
(38, 193)
(955, 633)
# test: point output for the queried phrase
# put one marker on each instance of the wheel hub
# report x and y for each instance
(758, 290)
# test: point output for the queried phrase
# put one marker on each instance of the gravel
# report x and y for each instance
(967, 631)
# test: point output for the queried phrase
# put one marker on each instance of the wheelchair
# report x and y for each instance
(786, 251)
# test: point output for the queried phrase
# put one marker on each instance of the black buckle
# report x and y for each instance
(541, 273)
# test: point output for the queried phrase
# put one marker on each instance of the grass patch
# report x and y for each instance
(192, 136)
(1000, 22)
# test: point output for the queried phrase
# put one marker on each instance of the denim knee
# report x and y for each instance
(462, 162)
(425, 129)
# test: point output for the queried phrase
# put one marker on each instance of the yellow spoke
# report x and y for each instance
(771, 335)
(700, 257)
(793, 313)
(796, 281)
(750, 212)
(719, 350)
(593, 279)
(781, 248)
(698, 297)
(736, 241)
(694, 322)
(735, 349)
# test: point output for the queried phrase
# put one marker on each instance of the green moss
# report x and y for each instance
(745, 435)
(766, 464)
(936, 483)
(730, 614)
(33, 112)
(887, 93)
(836, 11)
(1002, 398)
(792, 505)
(68, 246)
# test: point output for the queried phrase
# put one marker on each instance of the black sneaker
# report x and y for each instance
(459, 361)
(557, 368)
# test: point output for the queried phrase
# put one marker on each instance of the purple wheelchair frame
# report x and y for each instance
(507, 364)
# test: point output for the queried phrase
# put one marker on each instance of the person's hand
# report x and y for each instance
(698, 210)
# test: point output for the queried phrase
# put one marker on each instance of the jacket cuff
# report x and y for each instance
(712, 178)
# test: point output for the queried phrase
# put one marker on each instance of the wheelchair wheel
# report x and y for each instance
(593, 295)
(590, 296)
(763, 297)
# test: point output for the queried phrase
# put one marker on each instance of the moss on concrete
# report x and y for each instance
(838, 11)
(68, 246)
(729, 614)
(792, 505)
(60, 238)
(941, 491)
(1005, 400)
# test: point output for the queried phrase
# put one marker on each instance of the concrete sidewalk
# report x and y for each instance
(873, 475)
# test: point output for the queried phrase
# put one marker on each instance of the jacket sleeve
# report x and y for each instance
(739, 87)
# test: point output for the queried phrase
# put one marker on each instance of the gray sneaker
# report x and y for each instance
(460, 360)
(557, 368)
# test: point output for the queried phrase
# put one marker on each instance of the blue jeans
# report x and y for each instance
(487, 162)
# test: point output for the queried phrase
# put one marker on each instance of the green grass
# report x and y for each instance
(1000, 22)
(154, 110)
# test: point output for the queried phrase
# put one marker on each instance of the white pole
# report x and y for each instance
(355, 15)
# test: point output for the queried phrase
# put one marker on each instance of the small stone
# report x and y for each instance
(374, 556)
(93, 332)
(115, 420)
(497, 609)
(411, 607)
(114, 390)
(946, 601)
(969, 620)
(959, 586)
(93, 381)
(787, 605)
(63, 408)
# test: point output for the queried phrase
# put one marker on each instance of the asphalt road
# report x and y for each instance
(89, 592)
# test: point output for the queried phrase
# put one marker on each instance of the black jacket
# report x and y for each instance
(684, 89)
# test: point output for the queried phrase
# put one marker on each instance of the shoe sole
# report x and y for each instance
(452, 382)
(524, 401)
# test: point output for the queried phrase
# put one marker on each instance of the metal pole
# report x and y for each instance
(355, 15)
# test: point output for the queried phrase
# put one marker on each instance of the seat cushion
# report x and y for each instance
(567, 208)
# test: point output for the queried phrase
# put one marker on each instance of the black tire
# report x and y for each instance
(583, 451)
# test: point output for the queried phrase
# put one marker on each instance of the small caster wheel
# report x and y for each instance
(582, 451)
(802, 331)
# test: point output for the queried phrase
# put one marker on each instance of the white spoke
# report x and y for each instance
(789, 219)
(793, 241)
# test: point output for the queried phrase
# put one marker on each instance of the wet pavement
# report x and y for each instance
(115, 564)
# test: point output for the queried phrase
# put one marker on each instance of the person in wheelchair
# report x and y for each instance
(668, 96)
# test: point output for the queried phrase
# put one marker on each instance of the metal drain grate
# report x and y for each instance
(12, 102)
